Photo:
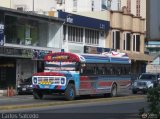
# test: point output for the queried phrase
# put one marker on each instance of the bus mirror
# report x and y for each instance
(77, 66)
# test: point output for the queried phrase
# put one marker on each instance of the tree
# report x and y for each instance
(153, 99)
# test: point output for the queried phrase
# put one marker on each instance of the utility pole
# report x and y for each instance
(33, 5)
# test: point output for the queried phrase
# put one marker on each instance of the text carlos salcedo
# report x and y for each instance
(19, 116)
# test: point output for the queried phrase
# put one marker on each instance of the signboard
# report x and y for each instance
(75, 48)
(95, 50)
(1, 34)
(39, 54)
(62, 57)
(89, 22)
(15, 52)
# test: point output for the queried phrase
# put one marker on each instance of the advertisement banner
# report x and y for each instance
(1, 34)
(96, 50)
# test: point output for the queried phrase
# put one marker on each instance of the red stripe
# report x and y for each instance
(59, 87)
(104, 83)
(82, 78)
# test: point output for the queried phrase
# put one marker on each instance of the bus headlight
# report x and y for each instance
(62, 80)
(135, 84)
(35, 80)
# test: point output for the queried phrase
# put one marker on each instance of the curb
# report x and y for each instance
(48, 104)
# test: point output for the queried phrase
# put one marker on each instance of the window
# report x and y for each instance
(127, 41)
(75, 34)
(129, 6)
(92, 5)
(22, 31)
(59, 1)
(104, 5)
(105, 69)
(91, 36)
(74, 5)
(64, 32)
(138, 8)
(109, 4)
(119, 5)
(116, 39)
(136, 42)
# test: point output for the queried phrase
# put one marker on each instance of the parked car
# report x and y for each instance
(145, 81)
(25, 87)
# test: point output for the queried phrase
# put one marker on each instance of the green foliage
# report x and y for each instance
(153, 99)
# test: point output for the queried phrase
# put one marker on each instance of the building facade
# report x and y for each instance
(80, 31)
(95, 31)
(153, 34)
(24, 39)
(45, 7)
(153, 28)
(127, 35)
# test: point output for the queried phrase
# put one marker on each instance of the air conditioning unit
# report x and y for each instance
(59, 1)
(20, 7)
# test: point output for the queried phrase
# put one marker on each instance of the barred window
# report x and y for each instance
(116, 39)
(127, 41)
(75, 34)
(91, 36)
(136, 42)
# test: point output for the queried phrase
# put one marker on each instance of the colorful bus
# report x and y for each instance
(73, 75)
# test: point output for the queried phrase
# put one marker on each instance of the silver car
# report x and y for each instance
(145, 81)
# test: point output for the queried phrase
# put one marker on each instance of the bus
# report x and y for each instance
(72, 75)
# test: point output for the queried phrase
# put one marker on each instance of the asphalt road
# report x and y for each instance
(28, 99)
(112, 108)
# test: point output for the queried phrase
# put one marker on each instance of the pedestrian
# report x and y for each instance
(18, 40)
(21, 78)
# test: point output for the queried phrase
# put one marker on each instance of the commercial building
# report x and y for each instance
(80, 31)
(32, 35)
(24, 39)
(153, 34)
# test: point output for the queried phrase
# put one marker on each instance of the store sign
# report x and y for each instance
(14, 52)
(39, 54)
(89, 22)
(75, 48)
(95, 50)
(1, 34)
(69, 20)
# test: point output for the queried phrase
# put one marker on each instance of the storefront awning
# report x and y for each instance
(140, 57)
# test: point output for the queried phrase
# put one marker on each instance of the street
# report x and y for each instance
(28, 99)
(125, 105)
(118, 107)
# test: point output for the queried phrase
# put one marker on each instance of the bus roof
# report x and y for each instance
(107, 57)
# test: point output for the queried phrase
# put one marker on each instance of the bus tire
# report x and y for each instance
(70, 92)
(114, 90)
(134, 92)
(37, 95)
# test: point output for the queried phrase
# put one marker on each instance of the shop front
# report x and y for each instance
(18, 64)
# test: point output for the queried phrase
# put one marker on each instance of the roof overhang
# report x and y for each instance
(140, 57)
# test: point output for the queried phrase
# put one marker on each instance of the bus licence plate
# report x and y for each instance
(46, 86)
(24, 89)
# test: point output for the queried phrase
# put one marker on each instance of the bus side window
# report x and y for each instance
(111, 70)
(77, 66)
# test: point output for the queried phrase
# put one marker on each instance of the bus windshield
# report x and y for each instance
(60, 66)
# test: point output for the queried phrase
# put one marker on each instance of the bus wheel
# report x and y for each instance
(37, 95)
(70, 92)
(114, 90)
